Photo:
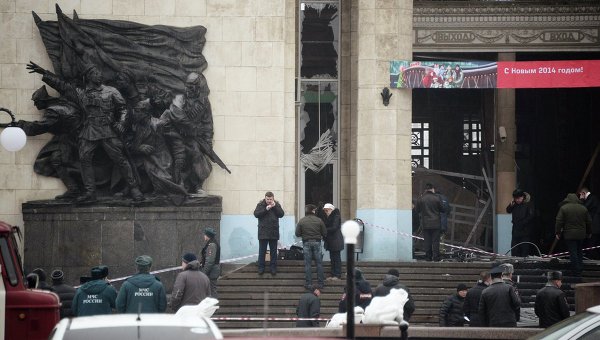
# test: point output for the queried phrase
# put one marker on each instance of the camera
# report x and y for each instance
(502, 134)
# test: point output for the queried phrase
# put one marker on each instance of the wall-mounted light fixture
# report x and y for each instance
(12, 138)
(386, 95)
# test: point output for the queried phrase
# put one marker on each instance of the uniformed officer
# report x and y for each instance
(211, 258)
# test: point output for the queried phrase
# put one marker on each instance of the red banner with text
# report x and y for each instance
(548, 74)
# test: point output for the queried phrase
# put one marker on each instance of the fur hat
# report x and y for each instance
(210, 232)
(57, 275)
(328, 206)
(99, 272)
(518, 193)
(189, 257)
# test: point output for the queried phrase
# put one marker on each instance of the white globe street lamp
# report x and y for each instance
(350, 230)
(12, 138)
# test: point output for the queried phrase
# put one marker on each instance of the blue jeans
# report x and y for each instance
(575, 255)
(312, 250)
(262, 251)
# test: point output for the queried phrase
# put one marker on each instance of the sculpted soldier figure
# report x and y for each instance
(59, 156)
(103, 112)
(189, 132)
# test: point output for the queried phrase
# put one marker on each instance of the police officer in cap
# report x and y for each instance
(550, 302)
(210, 259)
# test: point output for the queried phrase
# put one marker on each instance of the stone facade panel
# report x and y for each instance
(224, 53)
(241, 79)
(196, 8)
(239, 28)
(257, 53)
(245, 178)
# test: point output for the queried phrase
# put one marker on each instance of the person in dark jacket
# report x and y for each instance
(362, 293)
(96, 296)
(592, 204)
(430, 207)
(471, 306)
(392, 280)
(309, 306)
(499, 302)
(211, 259)
(550, 302)
(142, 292)
(191, 285)
(334, 241)
(522, 219)
(574, 224)
(312, 229)
(41, 284)
(268, 212)
(451, 312)
(507, 276)
(64, 291)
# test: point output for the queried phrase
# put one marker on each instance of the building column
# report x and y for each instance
(505, 162)
(383, 179)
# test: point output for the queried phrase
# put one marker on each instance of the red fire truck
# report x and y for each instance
(24, 313)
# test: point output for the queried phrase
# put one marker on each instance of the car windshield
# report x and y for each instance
(143, 333)
(563, 327)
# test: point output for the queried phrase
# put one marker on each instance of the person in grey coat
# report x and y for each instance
(211, 260)
(309, 306)
(191, 285)
(498, 302)
(268, 212)
(430, 206)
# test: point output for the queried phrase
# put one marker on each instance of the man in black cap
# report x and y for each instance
(550, 302)
(451, 312)
(96, 296)
(211, 259)
(392, 280)
(309, 306)
(58, 158)
(104, 113)
(191, 285)
(522, 220)
(64, 291)
(42, 284)
(499, 302)
(142, 292)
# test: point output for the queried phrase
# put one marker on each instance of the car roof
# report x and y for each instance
(595, 309)
(124, 320)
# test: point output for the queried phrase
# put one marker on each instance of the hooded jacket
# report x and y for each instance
(94, 298)
(142, 289)
(522, 217)
(392, 281)
(573, 219)
(191, 286)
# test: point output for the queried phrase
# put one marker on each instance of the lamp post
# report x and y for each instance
(12, 137)
(350, 230)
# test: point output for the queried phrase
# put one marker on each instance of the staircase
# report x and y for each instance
(243, 293)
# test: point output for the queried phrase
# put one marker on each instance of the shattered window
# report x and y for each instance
(319, 40)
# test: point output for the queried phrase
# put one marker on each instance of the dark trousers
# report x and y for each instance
(575, 255)
(336, 263)
(521, 250)
(432, 244)
(115, 150)
(262, 251)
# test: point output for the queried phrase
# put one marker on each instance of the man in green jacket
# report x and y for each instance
(142, 292)
(312, 230)
(575, 224)
(96, 296)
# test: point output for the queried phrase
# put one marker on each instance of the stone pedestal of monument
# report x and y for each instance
(76, 238)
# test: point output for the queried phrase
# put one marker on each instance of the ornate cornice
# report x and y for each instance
(506, 25)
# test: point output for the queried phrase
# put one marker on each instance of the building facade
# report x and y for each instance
(297, 106)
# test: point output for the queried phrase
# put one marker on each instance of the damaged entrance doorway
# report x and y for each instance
(452, 148)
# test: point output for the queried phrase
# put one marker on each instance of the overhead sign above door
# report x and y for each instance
(489, 75)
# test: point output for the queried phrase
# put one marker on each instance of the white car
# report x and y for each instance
(136, 326)
(582, 326)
